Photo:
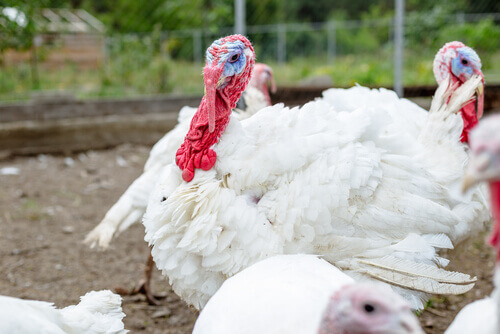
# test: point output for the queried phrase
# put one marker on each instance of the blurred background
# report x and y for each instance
(126, 48)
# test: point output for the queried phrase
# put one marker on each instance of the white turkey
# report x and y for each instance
(132, 204)
(483, 316)
(99, 312)
(346, 185)
(301, 294)
(454, 61)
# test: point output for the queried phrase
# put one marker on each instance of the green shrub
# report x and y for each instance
(483, 36)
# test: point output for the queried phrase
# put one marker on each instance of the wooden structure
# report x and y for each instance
(66, 36)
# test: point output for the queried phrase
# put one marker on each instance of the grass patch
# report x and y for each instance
(32, 210)
(127, 76)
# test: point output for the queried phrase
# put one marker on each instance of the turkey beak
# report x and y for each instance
(408, 324)
(467, 182)
(480, 99)
(479, 95)
(213, 77)
(474, 174)
(271, 81)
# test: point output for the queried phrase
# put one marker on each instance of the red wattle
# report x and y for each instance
(196, 150)
(495, 207)
(187, 175)
(470, 120)
(480, 106)
(208, 160)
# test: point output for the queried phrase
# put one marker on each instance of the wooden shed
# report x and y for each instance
(66, 36)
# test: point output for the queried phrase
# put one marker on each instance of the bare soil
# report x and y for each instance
(46, 211)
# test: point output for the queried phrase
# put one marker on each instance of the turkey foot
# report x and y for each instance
(144, 286)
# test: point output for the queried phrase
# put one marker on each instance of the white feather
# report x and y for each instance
(97, 313)
(282, 294)
(478, 317)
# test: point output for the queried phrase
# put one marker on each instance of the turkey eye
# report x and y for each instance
(369, 308)
(234, 58)
(464, 61)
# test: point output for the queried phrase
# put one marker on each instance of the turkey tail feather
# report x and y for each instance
(416, 276)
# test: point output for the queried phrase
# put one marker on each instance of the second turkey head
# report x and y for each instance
(263, 80)
(364, 308)
(459, 62)
(485, 166)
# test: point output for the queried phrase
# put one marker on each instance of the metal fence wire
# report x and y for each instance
(339, 50)
(286, 41)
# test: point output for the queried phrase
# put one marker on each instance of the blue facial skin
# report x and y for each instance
(466, 63)
(235, 62)
(233, 58)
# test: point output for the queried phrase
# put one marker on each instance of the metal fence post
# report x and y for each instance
(281, 28)
(163, 44)
(197, 52)
(331, 51)
(106, 51)
(239, 17)
(398, 47)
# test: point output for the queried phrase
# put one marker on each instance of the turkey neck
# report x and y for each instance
(216, 106)
(495, 207)
(265, 90)
(196, 150)
(470, 114)
(496, 293)
(469, 117)
(495, 242)
(209, 122)
(199, 133)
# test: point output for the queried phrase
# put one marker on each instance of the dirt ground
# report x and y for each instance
(47, 209)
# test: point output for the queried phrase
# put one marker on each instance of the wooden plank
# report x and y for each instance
(78, 134)
(66, 108)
